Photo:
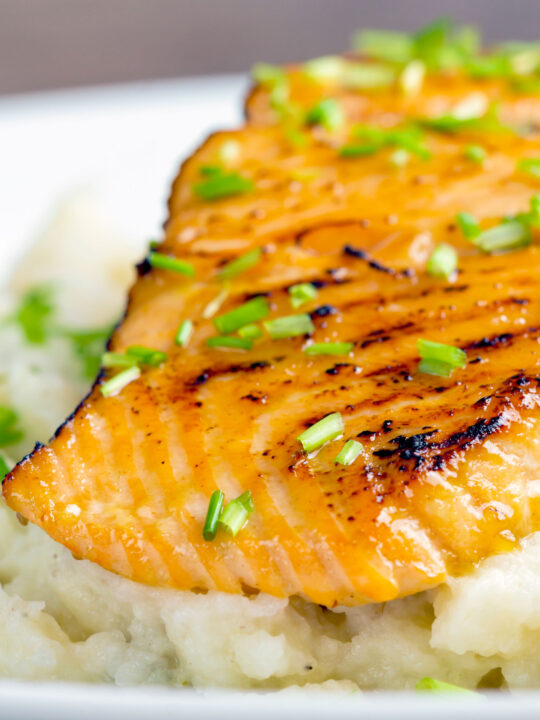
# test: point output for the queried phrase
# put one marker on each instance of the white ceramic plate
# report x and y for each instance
(126, 143)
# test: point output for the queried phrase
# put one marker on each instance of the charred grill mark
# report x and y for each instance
(360, 254)
(323, 311)
(490, 342)
(210, 373)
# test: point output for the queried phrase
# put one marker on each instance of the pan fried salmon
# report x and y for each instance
(446, 464)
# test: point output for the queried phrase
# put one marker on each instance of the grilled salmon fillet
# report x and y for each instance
(448, 470)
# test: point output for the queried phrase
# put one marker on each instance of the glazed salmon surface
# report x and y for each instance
(448, 468)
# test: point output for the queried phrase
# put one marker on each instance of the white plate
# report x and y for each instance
(127, 142)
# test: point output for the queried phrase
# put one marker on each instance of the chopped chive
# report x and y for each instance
(432, 685)
(226, 341)
(475, 153)
(268, 75)
(240, 264)
(117, 360)
(412, 77)
(367, 76)
(348, 453)
(184, 333)
(289, 326)
(119, 382)
(223, 185)
(326, 429)
(236, 513)
(229, 151)
(165, 262)
(246, 314)
(453, 122)
(147, 355)
(530, 166)
(302, 293)
(9, 432)
(327, 113)
(5, 466)
(468, 225)
(324, 69)
(215, 507)
(154, 244)
(385, 45)
(400, 158)
(296, 137)
(443, 261)
(213, 306)
(438, 358)
(329, 348)
(210, 170)
(354, 150)
(251, 332)
(509, 235)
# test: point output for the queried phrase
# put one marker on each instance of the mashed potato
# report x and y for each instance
(68, 619)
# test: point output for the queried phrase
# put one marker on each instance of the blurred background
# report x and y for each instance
(63, 43)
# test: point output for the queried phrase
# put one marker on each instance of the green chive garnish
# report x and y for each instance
(348, 453)
(240, 264)
(184, 333)
(468, 225)
(412, 77)
(251, 332)
(324, 69)
(223, 185)
(530, 166)
(302, 293)
(5, 466)
(388, 45)
(367, 76)
(443, 261)
(509, 235)
(146, 355)
(329, 348)
(213, 306)
(322, 432)
(226, 341)
(475, 153)
(9, 432)
(289, 326)
(327, 113)
(250, 312)
(236, 513)
(215, 507)
(432, 685)
(119, 382)
(117, 360)
(165, 262)
(356, 150)
(439, 359)
(268, 75)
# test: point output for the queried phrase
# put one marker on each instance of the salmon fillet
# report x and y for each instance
(448, 468)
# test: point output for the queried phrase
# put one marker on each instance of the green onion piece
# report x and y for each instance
(289, 326)
(302, 293)
(329, 348)
(215, 507)
(236, 513)
(34, 314)
(327, 113)
(441, 353)
(296, 137)
(468, 225)
(530, 166)
(412, 77)
(154, 244)
(355, 150)
(165, 262)
(226, 341)
(147, 355)
(213, 306)
(119, 382)
(251, 332)
(385, 45)
(223, 185)
(229, 151)
(367, 76)
(184, 333)
(433, 685)
(210, 170)
(5, 466)
(475, 153)
(400, 158)
(324, 69)
(240, 264)
(509, 235)
(9, 433)
(443, 261)
(268, 75)
(246, 314)
(322, 432)
(454, 123)
(435, 367)
(348, 453)
(117, 360)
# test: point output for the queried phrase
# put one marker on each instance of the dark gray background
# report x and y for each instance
(56, 43)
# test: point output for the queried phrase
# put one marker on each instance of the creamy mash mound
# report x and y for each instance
(68, 619)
